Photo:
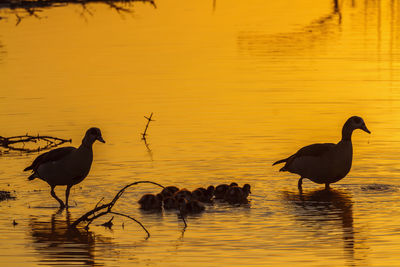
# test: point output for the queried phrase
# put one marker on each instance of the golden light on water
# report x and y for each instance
(234, 86)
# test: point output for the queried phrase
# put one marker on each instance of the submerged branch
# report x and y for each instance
(104, 209)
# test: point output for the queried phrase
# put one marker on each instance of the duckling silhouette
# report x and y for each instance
(325, 163)
(237, 195)
(150, 202)
(66, 165)
(192, 207)
(221, 189)
(169, 203)
(169, 191)
(183, 193)
(202, 194)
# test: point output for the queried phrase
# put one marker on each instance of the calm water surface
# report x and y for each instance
(234, 86)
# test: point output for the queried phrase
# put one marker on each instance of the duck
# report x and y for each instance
(237, 195)
(66, 165)
(325, 163)
(221, 189)
(150, 202)
(203, 195)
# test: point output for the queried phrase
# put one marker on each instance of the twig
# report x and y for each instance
(147, 126)
(51, 141)
(104, 209)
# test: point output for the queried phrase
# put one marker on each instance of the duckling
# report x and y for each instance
(150, 202)
(237, 195)
(202, 194)
(193, 207)
(180, 203)
(183, 193)
(169, 191)
(246, 190)
(221, 189)
(66, 165)
(325, 163)
(169, 203)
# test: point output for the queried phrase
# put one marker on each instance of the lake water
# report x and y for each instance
(234, 86)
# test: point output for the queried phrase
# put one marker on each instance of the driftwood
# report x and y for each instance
(104, 209)
(50, 142)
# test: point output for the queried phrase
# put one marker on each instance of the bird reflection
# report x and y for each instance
(323, 210)
(2, 52)
(58, 244)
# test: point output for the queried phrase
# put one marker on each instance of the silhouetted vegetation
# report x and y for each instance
(25, 8)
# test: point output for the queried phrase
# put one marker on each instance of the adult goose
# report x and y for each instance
(66, 165)
(325, 163)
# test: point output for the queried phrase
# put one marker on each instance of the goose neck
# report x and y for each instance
(347, 131)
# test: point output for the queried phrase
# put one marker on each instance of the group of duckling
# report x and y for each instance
(192, 202)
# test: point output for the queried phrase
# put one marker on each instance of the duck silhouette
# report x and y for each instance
(325, 163)
(66, 165)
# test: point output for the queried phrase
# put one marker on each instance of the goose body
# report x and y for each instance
(66, 165)
(70, 169)
(325, 163)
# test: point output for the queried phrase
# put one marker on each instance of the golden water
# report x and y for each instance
(234, 86)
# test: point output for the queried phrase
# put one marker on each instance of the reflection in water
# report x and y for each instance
(326, 212)
(2, 52)
(368, 13)
(319, 29)
(58, 244)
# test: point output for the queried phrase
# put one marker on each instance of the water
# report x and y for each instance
(234, 86)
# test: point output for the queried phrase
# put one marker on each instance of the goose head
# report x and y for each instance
(352, 124)
(92, 135)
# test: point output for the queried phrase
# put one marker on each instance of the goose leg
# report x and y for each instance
(67, 195)
(300, 182)
(327, 186)
(53, 194)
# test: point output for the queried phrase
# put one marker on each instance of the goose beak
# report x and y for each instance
(364, 128)
(100, 138)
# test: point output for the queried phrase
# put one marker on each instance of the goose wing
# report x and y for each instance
(52, 155)
(314, 150)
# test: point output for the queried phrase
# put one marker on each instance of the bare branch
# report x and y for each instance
(104, 209)
(51, 141)
(147, 126)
